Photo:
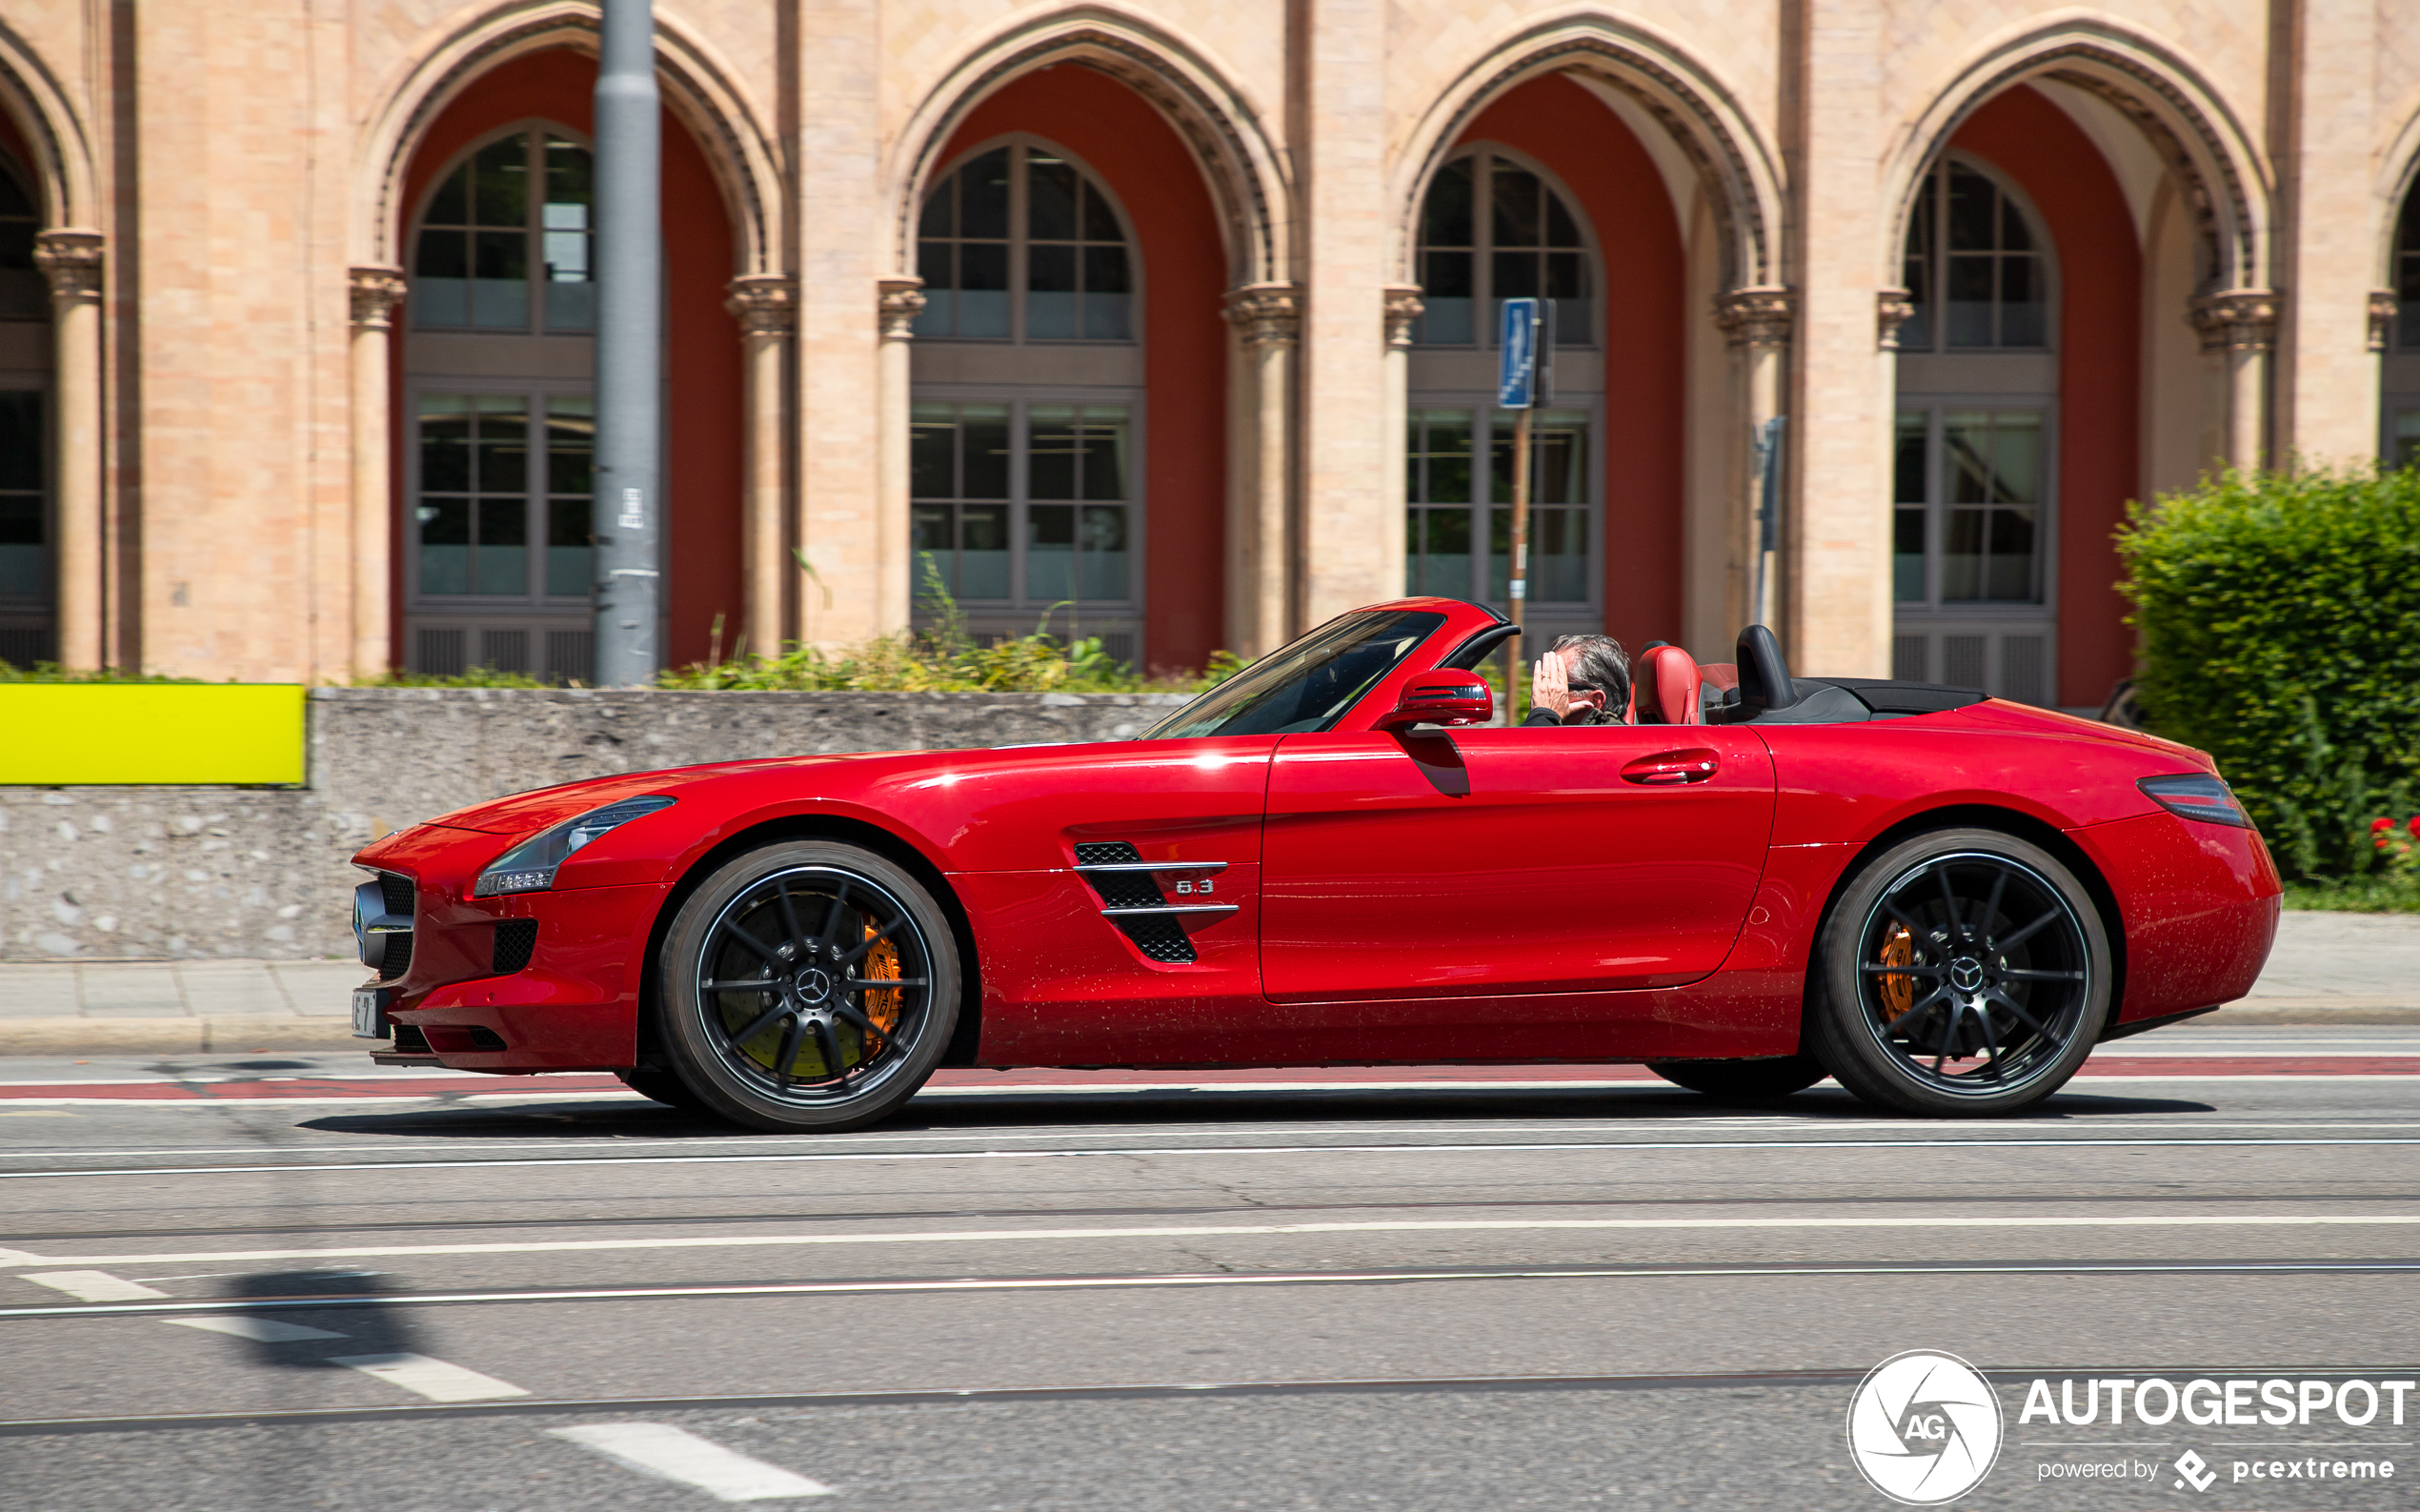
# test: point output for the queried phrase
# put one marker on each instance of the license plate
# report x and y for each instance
(368, 1014)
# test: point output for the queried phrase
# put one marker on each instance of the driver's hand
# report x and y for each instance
(1550, 685)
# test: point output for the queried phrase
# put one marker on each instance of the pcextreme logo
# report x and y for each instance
(1924, 1427)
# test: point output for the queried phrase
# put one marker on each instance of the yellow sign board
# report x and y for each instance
(67, 733)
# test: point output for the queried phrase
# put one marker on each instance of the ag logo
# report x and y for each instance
(1924, 1427)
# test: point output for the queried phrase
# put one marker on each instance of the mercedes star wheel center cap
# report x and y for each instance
(1966, 974)
(813, 984)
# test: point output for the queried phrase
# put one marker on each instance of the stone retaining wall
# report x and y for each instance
(156, 872)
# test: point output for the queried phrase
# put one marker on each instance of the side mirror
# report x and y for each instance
(1442, 698)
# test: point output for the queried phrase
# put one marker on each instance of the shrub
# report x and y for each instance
(2280, 621)
(946, 658)
(53, 671)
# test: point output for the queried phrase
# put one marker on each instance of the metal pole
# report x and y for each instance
(1519, 553)
(629, 344)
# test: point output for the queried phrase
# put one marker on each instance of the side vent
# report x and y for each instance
(515, 940)
(1130, 897)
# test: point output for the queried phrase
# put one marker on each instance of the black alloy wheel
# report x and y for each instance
(808, 986)
(1743, 1080)
(1963, 972)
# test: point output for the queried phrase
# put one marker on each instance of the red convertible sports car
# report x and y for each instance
(1753, 880)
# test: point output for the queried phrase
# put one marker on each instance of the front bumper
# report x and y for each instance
(569, 1001)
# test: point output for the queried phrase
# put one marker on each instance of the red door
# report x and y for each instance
(1506, 862)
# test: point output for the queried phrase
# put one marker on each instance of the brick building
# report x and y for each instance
(1178, 315)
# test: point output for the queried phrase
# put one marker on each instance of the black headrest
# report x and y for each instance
(1765, 677)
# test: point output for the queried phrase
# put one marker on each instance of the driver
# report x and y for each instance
(1582, 679)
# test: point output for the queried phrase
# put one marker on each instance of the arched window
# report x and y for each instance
(1973, 267)
(499, 411)
(2402, 408)
(1492, 230)
(23, 293)
(1025, 465)
(1978, 400)
(505, 241)
(1019, 244)
(25, 551)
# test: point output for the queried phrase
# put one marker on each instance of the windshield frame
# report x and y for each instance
(1251, 690)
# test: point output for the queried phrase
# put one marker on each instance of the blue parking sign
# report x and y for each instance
(1517, 355)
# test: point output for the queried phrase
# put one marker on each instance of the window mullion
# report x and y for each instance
(1017, 246)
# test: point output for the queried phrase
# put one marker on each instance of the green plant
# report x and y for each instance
(474, 677)
(53, 671)
(945, 656)
(2280, 623)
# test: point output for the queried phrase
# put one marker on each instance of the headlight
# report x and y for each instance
(530, 866)
(2197, 795)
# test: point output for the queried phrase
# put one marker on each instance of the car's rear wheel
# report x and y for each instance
(1963, 973)
(1743, 1080)
(808, 986)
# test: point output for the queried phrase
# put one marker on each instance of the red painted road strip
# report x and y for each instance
(1044, 1080)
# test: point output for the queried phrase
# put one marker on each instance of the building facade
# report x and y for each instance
(1173, 322)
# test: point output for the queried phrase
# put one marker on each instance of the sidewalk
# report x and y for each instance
(2327, 969)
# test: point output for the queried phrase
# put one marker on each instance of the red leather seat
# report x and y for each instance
(1666, 682)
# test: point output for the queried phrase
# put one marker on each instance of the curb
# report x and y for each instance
(63, 1034)
(172, 1037)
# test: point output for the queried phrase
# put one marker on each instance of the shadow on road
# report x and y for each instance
(1042, 1108)
(365, 1327)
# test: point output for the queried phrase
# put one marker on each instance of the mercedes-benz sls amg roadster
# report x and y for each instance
(1748, 881)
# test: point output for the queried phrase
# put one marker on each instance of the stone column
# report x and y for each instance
(895, 565)
(2238, 327)
(1756, 324)
(1260, 546)
(1403, 307)
(71, 261)
(1351, 531)
(766, 306)
(1835, 590)
(375, 292)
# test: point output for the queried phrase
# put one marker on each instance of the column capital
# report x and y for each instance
(2237, 320)
(902, 300)
(1892, 308)
(72, 260)
(1265, 314)
(1756, 316)
(1404, 306)
(766, 304)
(374, 291)
(2384, 303)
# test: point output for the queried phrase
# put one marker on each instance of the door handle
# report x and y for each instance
(1672, 767)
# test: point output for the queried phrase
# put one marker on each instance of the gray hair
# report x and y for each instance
(1602, 665)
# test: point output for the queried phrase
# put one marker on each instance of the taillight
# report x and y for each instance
(2196, 795)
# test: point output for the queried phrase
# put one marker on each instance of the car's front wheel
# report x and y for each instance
(808, 986)
(1963, 973)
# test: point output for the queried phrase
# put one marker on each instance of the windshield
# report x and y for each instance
(1307, 685)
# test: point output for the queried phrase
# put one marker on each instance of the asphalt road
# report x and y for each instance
(278, 1283)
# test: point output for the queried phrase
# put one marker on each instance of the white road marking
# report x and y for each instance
(259, 1330)
(998, 1236)
(432, 1379)
(1234, 1151)
(673, 1454)
(92, 1286)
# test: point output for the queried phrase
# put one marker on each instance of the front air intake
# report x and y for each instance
(516, 939)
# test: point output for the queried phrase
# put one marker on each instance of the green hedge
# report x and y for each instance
(2280, 621)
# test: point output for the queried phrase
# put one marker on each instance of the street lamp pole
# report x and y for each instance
(630, 345)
